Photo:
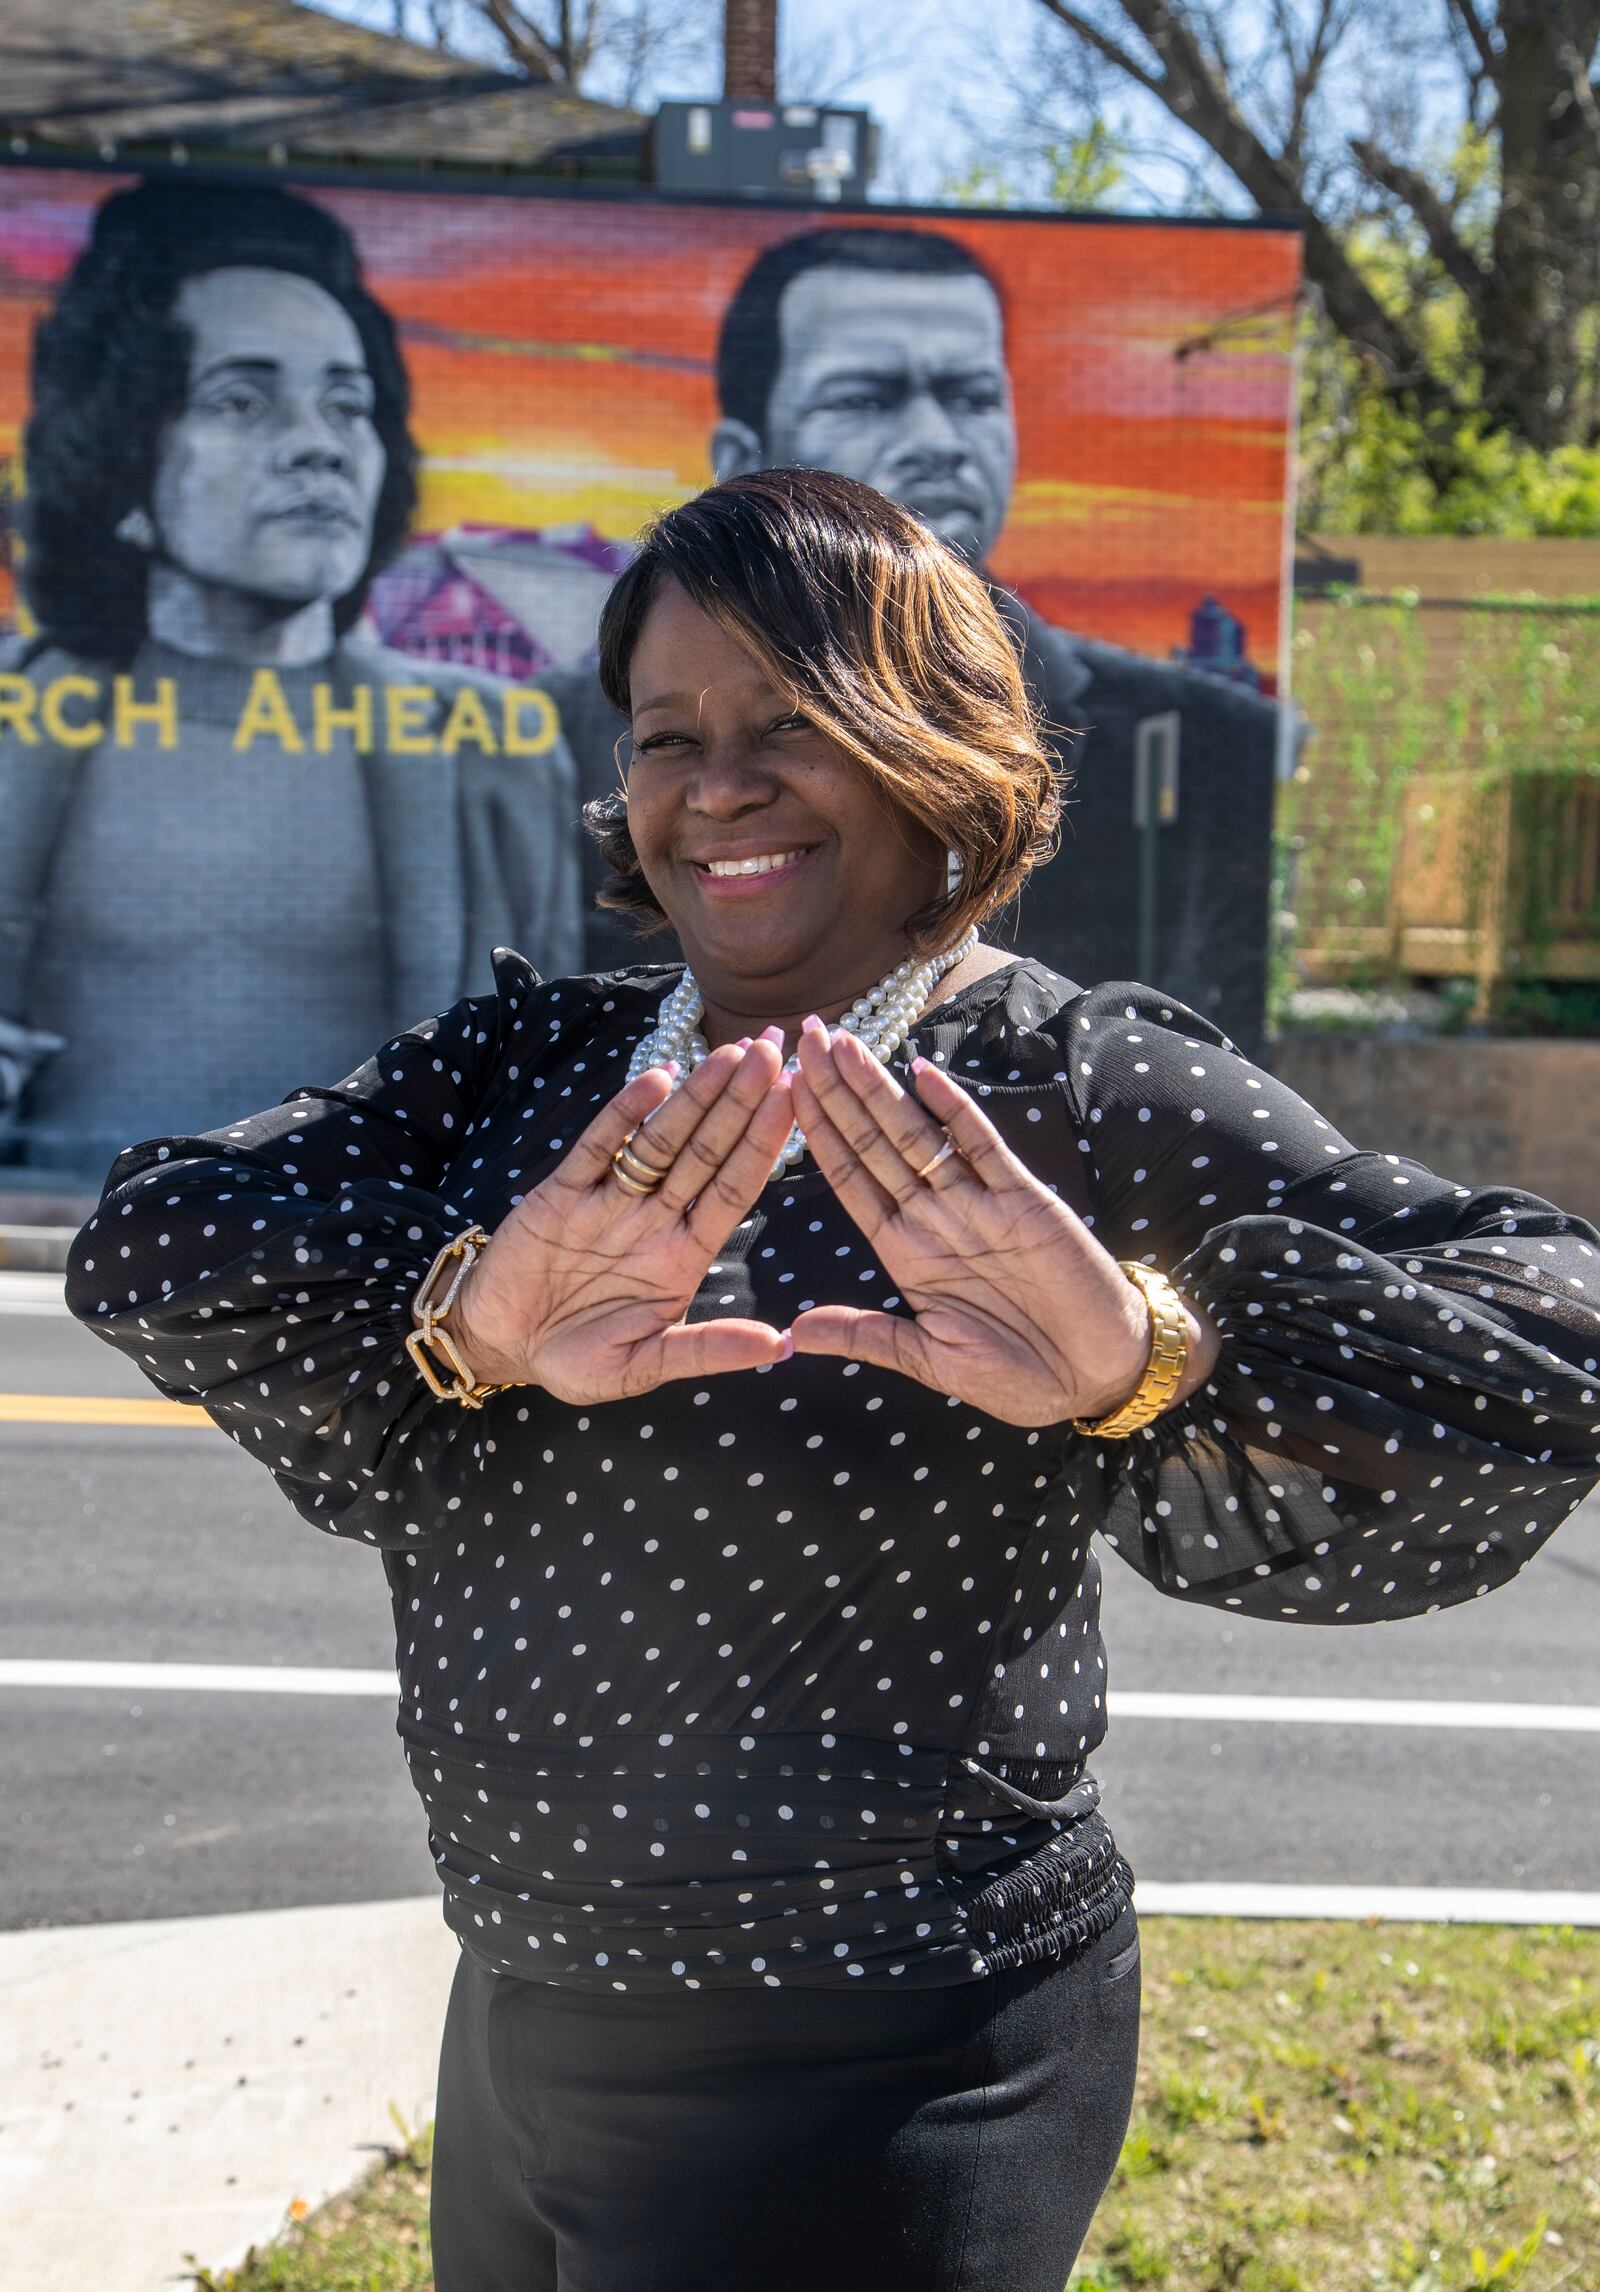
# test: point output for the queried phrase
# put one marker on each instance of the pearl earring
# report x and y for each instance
(136, 529)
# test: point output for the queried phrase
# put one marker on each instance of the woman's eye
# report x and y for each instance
(792, 724)
(240, 404)
(658, 740)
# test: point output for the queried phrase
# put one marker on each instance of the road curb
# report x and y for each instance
(35, 1249)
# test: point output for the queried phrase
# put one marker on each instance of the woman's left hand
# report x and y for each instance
(1018, 1309)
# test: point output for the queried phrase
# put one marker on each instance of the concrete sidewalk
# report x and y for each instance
(170, 2087)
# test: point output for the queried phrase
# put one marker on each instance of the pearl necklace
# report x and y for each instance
(880, 1020)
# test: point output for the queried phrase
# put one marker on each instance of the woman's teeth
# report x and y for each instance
(761, 863)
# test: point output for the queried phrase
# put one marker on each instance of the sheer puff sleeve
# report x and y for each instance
(1405, 1405)
(266, 1270)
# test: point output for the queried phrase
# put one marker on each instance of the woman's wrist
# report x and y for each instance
(1174, 1350)
(488, 1364)
(1123, 1361)
(454, 1363)
(1205, 1343)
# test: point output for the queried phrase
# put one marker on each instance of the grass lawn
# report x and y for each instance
(1322, 2108)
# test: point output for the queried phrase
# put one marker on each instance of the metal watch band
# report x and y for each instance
(1169, 1351)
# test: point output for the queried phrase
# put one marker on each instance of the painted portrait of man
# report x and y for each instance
(881, 352)
(239, 841)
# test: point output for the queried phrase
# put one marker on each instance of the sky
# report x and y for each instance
(895, 59)
(948, 81)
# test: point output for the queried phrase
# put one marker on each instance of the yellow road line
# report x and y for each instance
(95, 1409)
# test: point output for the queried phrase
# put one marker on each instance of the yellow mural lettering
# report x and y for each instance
(468, 720)
(328, 719)
(128, 712)
(267, 712)
(525, 741)
(17, 703)
(406, 708)
(62, 729)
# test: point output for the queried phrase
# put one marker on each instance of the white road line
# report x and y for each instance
(1355, 1711)
(1423, 1905)
(1128, 1703)
(32, 1293)
(207, 1678)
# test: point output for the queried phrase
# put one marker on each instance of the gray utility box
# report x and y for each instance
(802, 151)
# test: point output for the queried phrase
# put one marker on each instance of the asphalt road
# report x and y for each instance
(155, 1546)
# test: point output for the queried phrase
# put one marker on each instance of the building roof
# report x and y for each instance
(269, 76)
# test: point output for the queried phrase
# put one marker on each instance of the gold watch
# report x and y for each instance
(428, 1311)
(1163, 1372)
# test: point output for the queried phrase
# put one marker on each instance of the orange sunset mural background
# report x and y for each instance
(561, 352)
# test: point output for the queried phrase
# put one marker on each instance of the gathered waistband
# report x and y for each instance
(633, 1861)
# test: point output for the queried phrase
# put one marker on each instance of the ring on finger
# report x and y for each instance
(642, 1164)
(632, 1173)
(943, 1155)
(629, 1185)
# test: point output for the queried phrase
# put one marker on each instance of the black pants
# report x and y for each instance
(790, 2140)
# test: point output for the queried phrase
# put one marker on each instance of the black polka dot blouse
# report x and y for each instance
(793, 1676)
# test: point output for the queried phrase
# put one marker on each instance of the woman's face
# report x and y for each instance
(725, 773)
(268, 477)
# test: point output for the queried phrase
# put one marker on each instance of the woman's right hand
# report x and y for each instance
(583, 1286)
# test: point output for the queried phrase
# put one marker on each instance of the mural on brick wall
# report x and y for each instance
(311, 497)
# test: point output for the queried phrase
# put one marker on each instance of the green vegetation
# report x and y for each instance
(1371, 459)
(1360, 2109)
(1503, 695)
(1321, 2108)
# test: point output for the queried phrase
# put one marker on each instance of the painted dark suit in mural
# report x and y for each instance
(239, 841)
(881, 352)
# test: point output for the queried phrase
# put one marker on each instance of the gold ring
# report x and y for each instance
(628, 1185)
(647, 1172)
(946, 1150)
(641, 1163)
(632, 1173)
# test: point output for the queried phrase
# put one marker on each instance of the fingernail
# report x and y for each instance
(812, 1025)
(921, 1066)
(671, 1066)
(772, 1035)
(743, 1043)
(786, 1349)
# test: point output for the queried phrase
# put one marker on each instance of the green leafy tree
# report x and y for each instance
(1453, 344)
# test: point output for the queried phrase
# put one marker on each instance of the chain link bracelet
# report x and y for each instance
(429, 1310)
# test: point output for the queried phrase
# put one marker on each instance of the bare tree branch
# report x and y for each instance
(1412, 188)
(525, 44)
(1525, 74)
(1306, 72)
(1466, 15)
(1104, 46)
(1193, 92)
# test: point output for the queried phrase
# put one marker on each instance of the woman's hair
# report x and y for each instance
(110, 371)
(890, 644)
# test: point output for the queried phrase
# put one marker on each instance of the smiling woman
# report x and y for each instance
(812, 676)
(736, 1434)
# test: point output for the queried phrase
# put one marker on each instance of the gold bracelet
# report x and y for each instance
(428, 1311)
(1163, 1371)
